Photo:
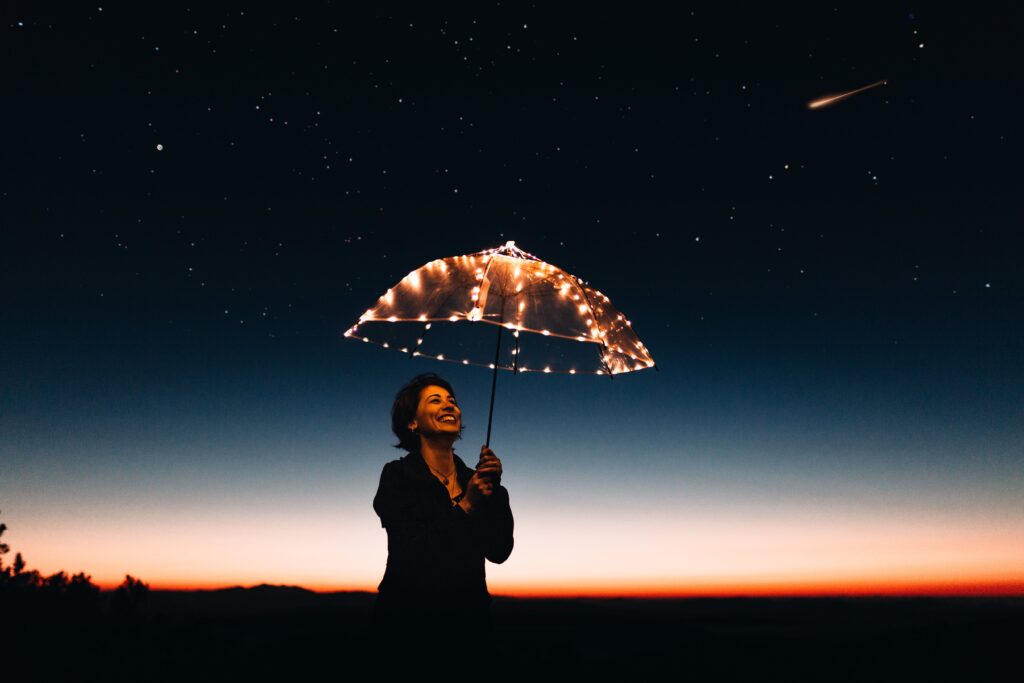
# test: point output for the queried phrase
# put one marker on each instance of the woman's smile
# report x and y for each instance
(438, 412)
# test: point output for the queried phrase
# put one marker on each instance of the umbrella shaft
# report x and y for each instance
(494, 384)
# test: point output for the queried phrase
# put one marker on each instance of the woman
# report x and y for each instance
(442, 518)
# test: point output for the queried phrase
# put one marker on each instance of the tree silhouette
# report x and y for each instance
(29, 592)
(128, 596)
(4, 549)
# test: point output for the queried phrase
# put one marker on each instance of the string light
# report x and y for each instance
(541, 285)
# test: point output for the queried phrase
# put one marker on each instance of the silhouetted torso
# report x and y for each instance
(435, 570)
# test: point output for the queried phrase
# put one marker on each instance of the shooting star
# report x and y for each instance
(832, 99)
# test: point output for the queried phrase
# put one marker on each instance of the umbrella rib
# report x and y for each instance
(483, 280)
(604, 344)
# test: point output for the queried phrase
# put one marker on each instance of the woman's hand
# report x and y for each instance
(489, 466)
(484, 481)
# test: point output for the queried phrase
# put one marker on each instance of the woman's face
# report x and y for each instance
(437, 413)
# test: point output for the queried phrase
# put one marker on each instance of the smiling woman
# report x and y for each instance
(442, 518)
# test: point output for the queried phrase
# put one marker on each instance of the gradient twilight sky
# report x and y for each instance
(198, 202)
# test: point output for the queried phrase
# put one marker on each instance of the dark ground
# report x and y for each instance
(290, 632)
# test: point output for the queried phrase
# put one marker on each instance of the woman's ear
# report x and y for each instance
(412, 426)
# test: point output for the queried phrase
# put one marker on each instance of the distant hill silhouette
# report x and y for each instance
(264, 598)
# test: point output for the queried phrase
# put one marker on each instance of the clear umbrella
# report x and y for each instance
(436, 310)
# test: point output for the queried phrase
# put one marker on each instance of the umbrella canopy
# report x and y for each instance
(511, 289)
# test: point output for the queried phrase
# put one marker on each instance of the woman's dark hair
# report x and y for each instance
(404, 408)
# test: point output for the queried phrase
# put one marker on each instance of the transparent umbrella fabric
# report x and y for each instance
(442, 309)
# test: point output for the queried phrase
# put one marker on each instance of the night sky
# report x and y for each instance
(197, 203)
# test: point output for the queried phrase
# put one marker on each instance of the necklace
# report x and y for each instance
(444, 477)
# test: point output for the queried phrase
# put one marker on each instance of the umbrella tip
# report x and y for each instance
(510, 244)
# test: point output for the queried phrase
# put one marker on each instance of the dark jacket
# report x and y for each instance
(435, 550)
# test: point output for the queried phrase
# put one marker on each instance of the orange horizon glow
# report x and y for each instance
(728, 551)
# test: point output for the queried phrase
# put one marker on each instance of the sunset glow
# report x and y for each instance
(584, 554)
